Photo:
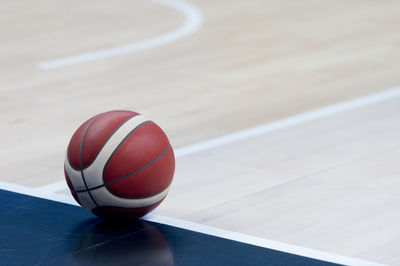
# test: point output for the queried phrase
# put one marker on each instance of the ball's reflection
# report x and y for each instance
(114, 244)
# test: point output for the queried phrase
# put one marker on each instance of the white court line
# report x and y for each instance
(231, 138)
(257, 241)
(53, 187)
(193, 21)
(37, 193)
(272, 126)
(243, 238)
(289, 122)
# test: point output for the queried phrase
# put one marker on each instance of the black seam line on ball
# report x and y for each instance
(119, 145)
(104, 143)
(133, 208)
(134, 198)
(80, 159)
(145, 122)
(139, 198)
(149, 196)
(131, 173)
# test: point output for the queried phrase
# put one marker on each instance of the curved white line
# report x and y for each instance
(74, 175)
(193, 21)
(104, 197)
(94, 173)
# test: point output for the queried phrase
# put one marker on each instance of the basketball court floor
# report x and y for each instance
(284, 118)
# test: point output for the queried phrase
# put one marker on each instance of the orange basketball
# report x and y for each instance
(119, 165)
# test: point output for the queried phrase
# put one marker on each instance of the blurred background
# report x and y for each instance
(204, 69)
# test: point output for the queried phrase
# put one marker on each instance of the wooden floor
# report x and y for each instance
(330, 185)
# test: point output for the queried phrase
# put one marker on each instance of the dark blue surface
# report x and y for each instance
(35, 231)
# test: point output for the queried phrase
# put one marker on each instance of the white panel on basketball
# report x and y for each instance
(94, 173)
(74, 175)
(86, 200)
(103, 197)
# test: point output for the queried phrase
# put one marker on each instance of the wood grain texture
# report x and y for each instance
(329, 185)
(250, 63)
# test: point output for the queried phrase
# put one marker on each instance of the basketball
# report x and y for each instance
(119, 165)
